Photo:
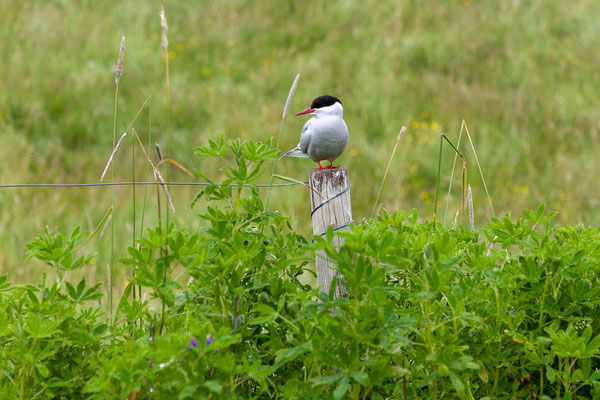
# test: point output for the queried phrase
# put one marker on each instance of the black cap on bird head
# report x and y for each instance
(324, 101)
(320, 102)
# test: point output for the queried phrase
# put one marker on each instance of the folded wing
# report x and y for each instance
(300, 150)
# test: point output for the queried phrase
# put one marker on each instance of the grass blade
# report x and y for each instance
(400, 136)
(480, 170)
(288, 179)
(175, 163)
(285, 109)
(98, 227)
(439, 170)
(471, 216)
(452, 173)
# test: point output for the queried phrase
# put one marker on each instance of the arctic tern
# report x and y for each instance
(324, 136)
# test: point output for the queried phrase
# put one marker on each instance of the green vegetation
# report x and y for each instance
(522, 74)
(214, 300)
(431, 312)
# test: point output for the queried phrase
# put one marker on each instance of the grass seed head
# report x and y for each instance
(159, 179)
(401, 134)
(112, 156)
(290, 95)
(165, 28)
(470, 203)
(119, 69)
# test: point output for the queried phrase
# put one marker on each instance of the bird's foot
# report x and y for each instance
(320, 166)
(332, 167)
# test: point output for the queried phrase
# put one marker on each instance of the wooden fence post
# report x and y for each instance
(333, 209)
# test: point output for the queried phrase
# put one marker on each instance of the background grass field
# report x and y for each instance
(522, 74)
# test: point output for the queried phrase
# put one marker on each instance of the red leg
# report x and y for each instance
(320, 166)
(331, 165)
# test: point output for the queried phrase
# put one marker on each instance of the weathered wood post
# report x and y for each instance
(333, 209)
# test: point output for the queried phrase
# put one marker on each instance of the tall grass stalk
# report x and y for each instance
(439, 170)
(285, 111)
(452, 173)
(464, 177)
(146, 178)
(471, 216)
(147, 166)
(400, 136)
(111, 165)
(479, 166)
(134, 205)
(118, 72)
(165, 45)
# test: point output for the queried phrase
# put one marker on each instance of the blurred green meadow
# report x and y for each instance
(522, 74)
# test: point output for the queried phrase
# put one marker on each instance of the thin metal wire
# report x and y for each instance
(327, 201)
(67, 185)
(338, 227)
(331, 198)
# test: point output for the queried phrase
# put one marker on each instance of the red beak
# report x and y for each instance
(307, 111)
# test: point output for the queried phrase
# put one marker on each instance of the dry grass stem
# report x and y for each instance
(106, 224)
(112, 156)
(455, 219)
(290, 95)
(400, 136)
(175, 163)
(165, 28)
(157, 176)
(159, 179)
(119, 69)
(471, 216)
(108, 274)
(489, 250)
(464, 176)
(452, 174)
(479, 166)
(288, 179)
(143, 148)
(158, 152)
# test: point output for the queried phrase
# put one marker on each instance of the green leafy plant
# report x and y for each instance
(430, 312)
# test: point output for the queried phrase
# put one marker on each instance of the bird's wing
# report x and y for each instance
(295, 152)
(300, 150)
(306, 135)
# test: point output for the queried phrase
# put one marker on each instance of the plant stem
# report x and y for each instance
(387, 170)
(168, 87)
(285, 111)
(479, 166)
(273, 169)
(437, 189)
(464, 177)
(452, 174)
(162, 316)
(112, 221)
(169, 134)
(133, 217)
(146, 177)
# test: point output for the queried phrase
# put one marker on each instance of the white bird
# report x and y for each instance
(325, 136)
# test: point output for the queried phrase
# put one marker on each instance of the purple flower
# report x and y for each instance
(193, 344)
(209, 339)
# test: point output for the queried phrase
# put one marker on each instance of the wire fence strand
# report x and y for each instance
(68, 185)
